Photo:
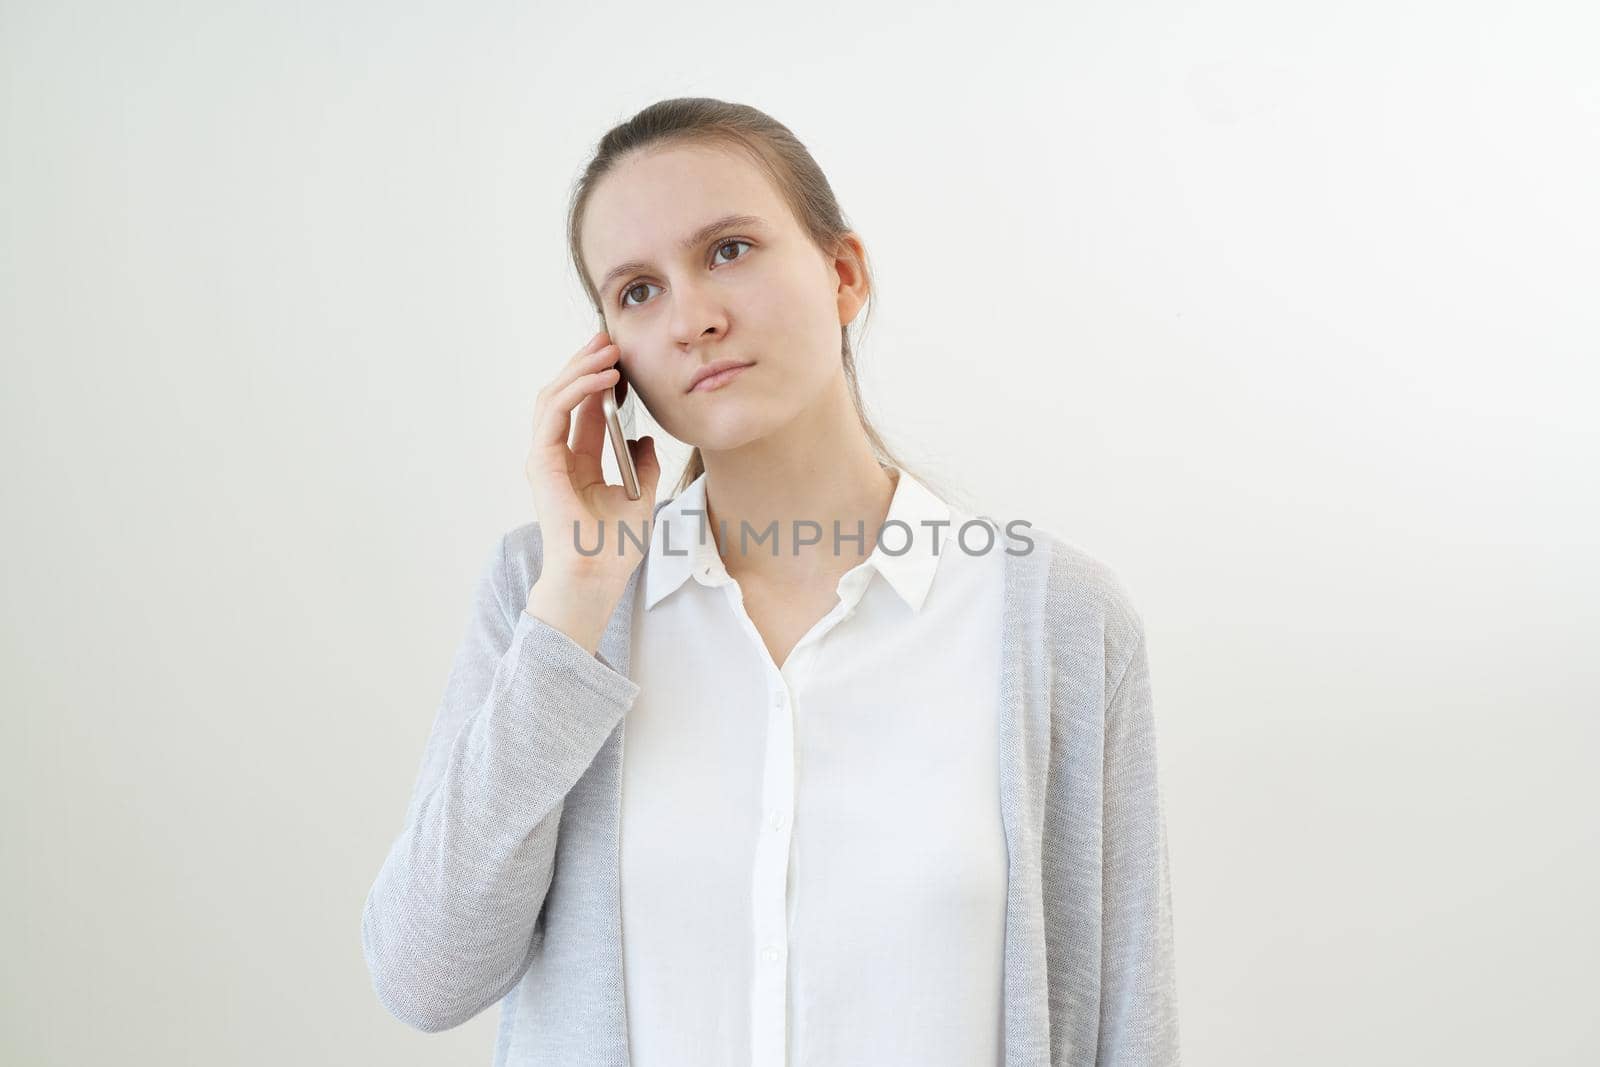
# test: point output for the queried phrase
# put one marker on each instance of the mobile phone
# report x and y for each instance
(619, 441)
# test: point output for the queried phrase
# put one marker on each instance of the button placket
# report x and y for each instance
(770, 880)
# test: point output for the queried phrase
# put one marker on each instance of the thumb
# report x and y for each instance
(647, 464)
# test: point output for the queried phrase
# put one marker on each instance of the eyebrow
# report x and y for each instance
(703, 234)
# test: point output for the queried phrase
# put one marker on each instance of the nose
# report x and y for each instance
(695, 314)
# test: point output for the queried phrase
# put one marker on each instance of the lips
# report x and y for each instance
(715, 375)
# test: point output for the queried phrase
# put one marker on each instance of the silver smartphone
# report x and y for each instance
(619, 441)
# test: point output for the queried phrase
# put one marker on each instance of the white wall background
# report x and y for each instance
(1302, 299)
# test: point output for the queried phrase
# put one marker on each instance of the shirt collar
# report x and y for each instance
(682, 545)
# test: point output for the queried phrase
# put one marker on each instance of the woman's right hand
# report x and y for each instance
(574, 503)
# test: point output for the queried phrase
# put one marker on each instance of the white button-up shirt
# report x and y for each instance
(813, 865)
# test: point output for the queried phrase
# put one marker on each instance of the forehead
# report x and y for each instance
(649, 202)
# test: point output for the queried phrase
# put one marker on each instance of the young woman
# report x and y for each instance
(873, 788)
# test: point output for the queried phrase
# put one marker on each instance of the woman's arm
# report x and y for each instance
(1138, 985)
(449, 925)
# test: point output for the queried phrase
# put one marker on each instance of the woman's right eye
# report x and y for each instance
(631, 288)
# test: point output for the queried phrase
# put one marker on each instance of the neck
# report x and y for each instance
(819, 468)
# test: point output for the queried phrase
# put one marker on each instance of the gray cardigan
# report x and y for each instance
(503, 884)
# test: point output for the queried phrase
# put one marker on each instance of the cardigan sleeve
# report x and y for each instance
(1138, 985)
(451, 923)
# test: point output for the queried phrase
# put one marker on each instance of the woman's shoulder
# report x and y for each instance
(1084, 601)
(1064, 572)
(1080, 575)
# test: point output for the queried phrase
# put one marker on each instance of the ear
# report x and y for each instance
(850, 264)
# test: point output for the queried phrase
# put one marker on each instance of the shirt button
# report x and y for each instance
(776, 822)
(770, 953)
(777, 700)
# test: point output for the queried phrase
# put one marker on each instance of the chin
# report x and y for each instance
(731, 430)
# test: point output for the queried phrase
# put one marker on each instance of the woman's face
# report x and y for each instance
(755, 290)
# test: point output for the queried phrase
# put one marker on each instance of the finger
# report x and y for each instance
(590, 430)
(598, 341)
(584, 363)
(589, 356)
(553, 417)
(588, 435)
(597, 353)
(553, 420)
(646, 465)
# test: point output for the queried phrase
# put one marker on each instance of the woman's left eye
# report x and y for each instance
(725, 244)
(622, 296)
